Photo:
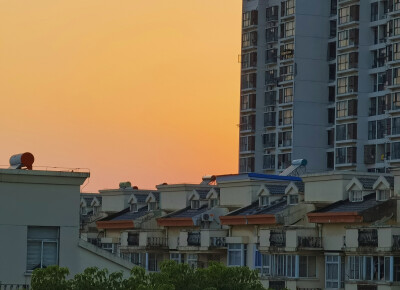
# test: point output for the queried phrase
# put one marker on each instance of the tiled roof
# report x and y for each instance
(132, 215)
(390, 179)
(276, 189)
(187, 212)
(348, 206)
(202, 193)
(255, 209)
(126, 214)
(367, 183)
(141, 197)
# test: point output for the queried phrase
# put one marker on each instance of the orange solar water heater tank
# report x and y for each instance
(22, 160)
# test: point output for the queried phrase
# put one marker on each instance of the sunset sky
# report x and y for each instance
(140, 91)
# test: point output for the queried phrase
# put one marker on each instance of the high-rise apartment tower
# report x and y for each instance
(320, 80)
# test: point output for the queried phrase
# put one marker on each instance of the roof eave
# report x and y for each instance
(334, 217)
(120, 224)
(175, 222)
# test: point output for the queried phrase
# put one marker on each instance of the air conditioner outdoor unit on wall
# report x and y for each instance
(206, 217)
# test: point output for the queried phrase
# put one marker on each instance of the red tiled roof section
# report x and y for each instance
(334, 217)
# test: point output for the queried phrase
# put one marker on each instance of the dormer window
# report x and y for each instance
(134, 207)
(382, 195)
(213, 202)
(195, 204)
(95, 209)
(264, 200)
(356, 196)
(83, 211)
(152, 206)
(293, 199)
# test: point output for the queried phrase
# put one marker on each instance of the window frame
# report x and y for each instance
(42, 241)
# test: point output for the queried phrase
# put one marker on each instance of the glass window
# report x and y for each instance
(342, 62)
(286, 95)
(264, 200)
(371, 130)
(395, 154)
(152, 205)
(332, 272)
(342, 85)
(355, 267)
(341, 109)
(42, 247)
(291, 266)
(192, 260)
(293, 199)
(356, 196)
(236, 255)
(343, 38)
(134, 207)
(307, 266)
(344, 15)
(152, 265)
(395, 101)
(195, 204)
(383, 194)
(177, 257)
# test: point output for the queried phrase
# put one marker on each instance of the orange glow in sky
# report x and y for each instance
(140, 91)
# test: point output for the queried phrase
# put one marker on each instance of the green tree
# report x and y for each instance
(172, 276)
(50, 278)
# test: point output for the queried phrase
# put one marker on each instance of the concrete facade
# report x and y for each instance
(44, 201)
(319, 82)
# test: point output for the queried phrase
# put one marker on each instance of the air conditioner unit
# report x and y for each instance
(206, 217)
(218, 241)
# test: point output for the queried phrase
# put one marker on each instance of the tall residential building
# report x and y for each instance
(320, 80)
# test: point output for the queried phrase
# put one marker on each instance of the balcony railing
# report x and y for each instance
(14, 286)
(368, 238)
(309, 242)
(157, 242)
(277, 239)
(396, 242)
(193, 239)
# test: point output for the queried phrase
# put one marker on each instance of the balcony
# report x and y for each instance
(277, 239)
(193, 239)
(133, 239)
(309, 242)
(157, 242)
(396, 243)
(368, 238)
(218, 242)
(247, 127)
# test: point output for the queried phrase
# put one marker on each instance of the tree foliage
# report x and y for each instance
(172, 276)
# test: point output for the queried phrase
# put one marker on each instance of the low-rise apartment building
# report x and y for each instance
(332, 230)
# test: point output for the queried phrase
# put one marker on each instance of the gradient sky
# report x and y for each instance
(140, 91)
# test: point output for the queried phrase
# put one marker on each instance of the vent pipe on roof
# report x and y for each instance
(22, 161)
